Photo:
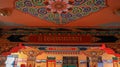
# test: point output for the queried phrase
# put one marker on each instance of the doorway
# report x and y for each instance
(70, 61)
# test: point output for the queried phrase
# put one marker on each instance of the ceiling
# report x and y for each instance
(103, 17)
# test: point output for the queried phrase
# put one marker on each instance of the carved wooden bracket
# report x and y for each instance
(94, 54)
(31, 51)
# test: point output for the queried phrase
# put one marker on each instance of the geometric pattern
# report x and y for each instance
(60, 11)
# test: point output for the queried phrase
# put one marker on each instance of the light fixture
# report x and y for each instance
(117, 12)
(6, 11)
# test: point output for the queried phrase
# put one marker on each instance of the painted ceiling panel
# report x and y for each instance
(60, 11)
(102, 17)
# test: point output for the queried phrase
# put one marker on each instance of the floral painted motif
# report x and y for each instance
(58, 6)
(60, 11)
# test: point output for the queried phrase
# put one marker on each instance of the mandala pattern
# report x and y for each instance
(60, 11)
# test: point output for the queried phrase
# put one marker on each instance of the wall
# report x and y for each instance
(59, 57)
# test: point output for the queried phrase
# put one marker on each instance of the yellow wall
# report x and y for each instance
(106, 56)
(22, 56)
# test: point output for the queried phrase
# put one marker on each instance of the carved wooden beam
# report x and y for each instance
(60, 35)
(6, 47)
(11, 36)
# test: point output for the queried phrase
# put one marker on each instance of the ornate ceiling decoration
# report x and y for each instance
(60, 11)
